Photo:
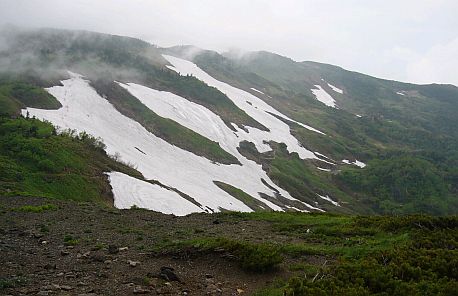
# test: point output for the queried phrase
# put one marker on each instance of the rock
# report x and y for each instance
(113, 249)
(50, 266)
(240, 291)
(216, 221)
(64, 252)
(168, 274)
(44, 293)
(123, 249)
(60, 274)
(133, 263)
(44, 242)
(66, 288)
(140, 290)
(208, 276)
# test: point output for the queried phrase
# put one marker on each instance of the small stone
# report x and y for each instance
(66, 288)
(60, 274)
(140, 290)
(64, 253)
(43, 293)
(44, 242)
(133, 263)
(240, 291)
(168, 274)
(123, 249)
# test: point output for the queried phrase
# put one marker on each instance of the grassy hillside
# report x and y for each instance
(420, 124)
(35, 161)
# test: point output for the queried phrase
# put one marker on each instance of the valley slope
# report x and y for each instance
(209, 132)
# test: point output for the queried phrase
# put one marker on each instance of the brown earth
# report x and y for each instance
(87, 249)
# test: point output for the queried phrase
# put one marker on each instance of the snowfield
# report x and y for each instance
(322, 96)
(84, 110)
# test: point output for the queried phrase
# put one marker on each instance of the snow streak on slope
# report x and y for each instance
(336, 89)
(252, 88)
(84, 110)
(327, 198)
(322, 96)
(254, 107)
(129, 191)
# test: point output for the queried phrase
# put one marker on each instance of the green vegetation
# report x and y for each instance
(16, 95)
(244, 197)
(403, 184)
(409, 255)
(163, 128)
(35, 209)
(35, 161)
(70, 240)
(421, 124)
(251, 256)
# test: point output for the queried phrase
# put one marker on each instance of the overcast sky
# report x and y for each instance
(407, 40)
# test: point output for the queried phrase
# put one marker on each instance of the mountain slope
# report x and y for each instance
(215, 132)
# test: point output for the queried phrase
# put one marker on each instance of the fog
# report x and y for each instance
(412, 41)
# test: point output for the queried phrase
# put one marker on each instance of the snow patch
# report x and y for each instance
(356, 162)
(327, 198)
(400, 93)
(323, 169)
(322, 96)
(129, 191)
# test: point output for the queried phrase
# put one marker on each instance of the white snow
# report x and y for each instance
(256, 90)
(84, 110)
(327, 198)
(359, 116)
(323, 169)
(257, 109)
(334, 88)
(356, 162)
(129, 191)
(322, 96)
(400, 93)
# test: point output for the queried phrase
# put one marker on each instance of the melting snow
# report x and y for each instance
(336, 89)
(323, 169)
(356, 162)
(129, 191)
(327, 198)
(258, 109)
(84, 110)
(256, 90)
(322, 96)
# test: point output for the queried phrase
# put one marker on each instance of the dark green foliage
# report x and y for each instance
(34, 160)
(16, 95)
(402, 184)
(251, 256)
(424, 263)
